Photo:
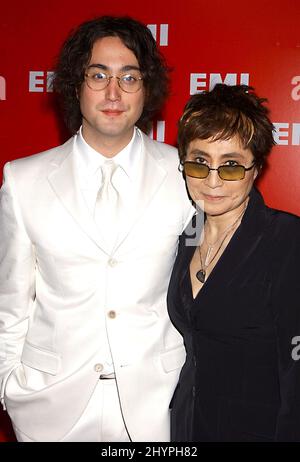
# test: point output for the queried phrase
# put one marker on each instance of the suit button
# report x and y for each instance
(112, 314)
(112, 262)
(98, 367)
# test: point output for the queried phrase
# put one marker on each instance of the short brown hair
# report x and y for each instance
(224, 112)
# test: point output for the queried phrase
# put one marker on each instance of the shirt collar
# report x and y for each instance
(128, 158)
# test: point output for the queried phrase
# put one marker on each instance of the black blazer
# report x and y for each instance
(241, 378)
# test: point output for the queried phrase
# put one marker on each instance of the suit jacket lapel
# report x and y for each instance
(150, 178)
(64, 182)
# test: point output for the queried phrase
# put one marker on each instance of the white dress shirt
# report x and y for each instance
(88, 163)
(89, 170)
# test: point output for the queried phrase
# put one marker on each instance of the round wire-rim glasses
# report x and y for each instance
(97, 80)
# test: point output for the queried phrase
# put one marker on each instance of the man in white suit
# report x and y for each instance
(89, 234)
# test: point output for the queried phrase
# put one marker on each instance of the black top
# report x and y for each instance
(241, 378)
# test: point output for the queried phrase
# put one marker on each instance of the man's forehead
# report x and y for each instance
(110, 50)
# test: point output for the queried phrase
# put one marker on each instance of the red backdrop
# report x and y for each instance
(204, 42)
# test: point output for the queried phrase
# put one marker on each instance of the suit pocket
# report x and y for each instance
(173, 359)
(41, 359)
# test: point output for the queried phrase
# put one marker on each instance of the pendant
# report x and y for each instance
(200, 275)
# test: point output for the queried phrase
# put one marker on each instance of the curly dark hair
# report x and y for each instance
(224, 112)
(76, 53)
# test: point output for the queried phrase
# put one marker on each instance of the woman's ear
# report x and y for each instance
(257, 171)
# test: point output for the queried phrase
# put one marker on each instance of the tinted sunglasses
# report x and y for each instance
(225, 172)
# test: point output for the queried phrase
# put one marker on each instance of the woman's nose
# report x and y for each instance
(213, 180)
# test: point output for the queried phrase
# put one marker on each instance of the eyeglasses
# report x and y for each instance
(130, 83)
(225, 172)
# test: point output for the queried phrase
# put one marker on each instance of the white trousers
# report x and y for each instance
(101, 420)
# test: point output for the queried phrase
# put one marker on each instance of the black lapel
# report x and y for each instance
(243, 243)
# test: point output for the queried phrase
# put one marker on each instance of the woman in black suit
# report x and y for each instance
(235, 289)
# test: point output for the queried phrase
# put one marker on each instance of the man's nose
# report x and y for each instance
(113, 91)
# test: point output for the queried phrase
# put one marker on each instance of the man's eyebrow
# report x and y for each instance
(100, 66)
(128, 67)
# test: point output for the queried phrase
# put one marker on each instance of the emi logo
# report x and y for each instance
(160, 33)
(157, 131)
(202, 82)
(2, 89)
(40, 81)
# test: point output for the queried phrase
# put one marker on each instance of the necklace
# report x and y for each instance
(201, 274)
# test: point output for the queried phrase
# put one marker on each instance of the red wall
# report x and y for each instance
(259, 39)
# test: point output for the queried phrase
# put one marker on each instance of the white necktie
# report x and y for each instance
(106, 207)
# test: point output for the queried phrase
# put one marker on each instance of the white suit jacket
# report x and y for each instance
(58, 286)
